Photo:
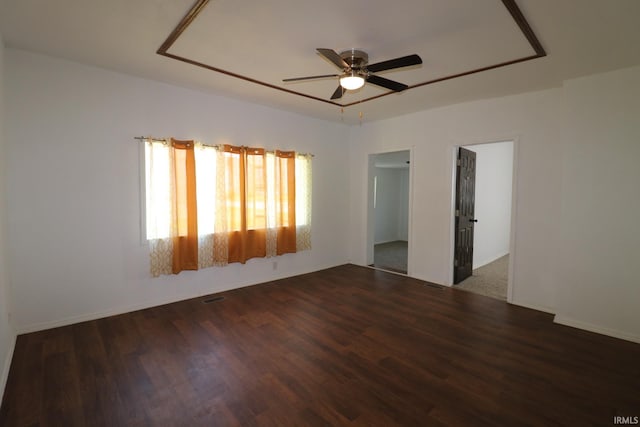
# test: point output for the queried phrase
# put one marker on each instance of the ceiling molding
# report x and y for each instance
(199, 5)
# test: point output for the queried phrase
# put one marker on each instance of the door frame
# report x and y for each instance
(514, 211)
(370, 212)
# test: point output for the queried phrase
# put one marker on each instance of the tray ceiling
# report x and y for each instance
(454, 38)
(266, 41)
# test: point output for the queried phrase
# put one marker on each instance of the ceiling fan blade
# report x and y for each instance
(338, 93)
(296, 79)
(332, 56)
(386, 83)
(404, 61)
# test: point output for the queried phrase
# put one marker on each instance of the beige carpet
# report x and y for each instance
(489, 280)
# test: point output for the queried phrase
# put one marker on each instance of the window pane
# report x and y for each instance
(256, 192)
(232, 180)
(303, 190)
(206, 188)
(263, 177)
(271, 190)
(158, 190)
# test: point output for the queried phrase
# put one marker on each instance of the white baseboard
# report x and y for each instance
(562, 320)
(533, 307)
(34, 327)
(66, 321)
(6, 366)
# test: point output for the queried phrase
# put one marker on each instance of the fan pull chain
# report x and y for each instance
(342, 114)
(360, 115)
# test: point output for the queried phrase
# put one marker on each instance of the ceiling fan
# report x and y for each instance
(355, 70)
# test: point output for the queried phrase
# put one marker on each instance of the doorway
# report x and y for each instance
(388, 230)
(490, 220)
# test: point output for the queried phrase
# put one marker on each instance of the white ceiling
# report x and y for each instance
(268, 40)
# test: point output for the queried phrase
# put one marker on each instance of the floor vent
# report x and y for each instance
(213, 299)
(433, 285)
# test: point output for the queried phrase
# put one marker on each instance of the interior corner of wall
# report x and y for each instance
(4, 375)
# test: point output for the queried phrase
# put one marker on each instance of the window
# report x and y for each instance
(158, 200)
(214, 205)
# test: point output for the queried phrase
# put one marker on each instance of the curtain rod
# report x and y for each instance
(152, 138)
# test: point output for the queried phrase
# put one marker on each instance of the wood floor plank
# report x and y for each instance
(347, 346)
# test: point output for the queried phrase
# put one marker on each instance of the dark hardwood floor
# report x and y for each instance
(344, 346)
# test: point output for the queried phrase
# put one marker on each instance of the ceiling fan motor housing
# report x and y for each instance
(356, 59)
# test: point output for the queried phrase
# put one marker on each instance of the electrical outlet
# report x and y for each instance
(275, 265)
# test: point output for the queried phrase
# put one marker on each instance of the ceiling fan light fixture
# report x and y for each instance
(352, 81)
(356, 71)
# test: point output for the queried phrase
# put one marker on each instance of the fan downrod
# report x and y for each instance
(356, 59)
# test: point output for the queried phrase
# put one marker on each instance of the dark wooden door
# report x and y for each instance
(465, 210)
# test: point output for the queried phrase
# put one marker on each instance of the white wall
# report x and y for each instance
(74, 202)
(7, 336)
(391, 204)
(575, 228)
(598, 279)
(534, 120)
(73, 212)
(494, 175)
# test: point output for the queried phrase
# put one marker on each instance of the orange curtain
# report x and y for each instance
(185, 233)
(286, 202)
(246, 179)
